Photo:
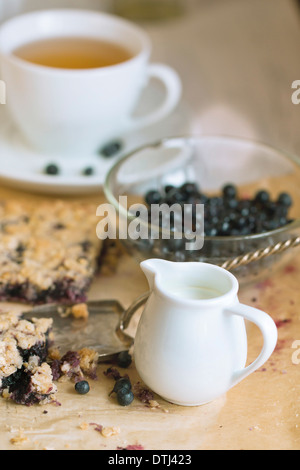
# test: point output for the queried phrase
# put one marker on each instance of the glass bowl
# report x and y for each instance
(211, 162)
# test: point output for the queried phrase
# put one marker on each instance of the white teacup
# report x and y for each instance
(75, 111)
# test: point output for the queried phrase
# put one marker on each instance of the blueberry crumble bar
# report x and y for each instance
(48, 252)
(25, 376)
(30, 365)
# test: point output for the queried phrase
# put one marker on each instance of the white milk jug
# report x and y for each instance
(191, 342)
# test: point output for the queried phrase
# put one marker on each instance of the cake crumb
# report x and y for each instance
(110, 431)
(132, 447)
(98, 427)
(19, 439)
(88, 361)
(80, 311)
(83, 426)
(54, 354)
(153, 404)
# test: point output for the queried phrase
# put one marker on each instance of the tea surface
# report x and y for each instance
(73, 53)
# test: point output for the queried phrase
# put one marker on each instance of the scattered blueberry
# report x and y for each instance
(125, 397)
(52, 169)
(111, 149)
(124, 359)
(82, 387)
(89, 171)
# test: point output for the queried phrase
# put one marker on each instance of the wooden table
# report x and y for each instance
(237, 60)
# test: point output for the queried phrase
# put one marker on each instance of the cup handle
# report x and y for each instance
(270, 336)
(173, 86)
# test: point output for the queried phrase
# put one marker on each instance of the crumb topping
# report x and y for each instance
(42, 380)
(17, 337)
(44, 245)
(10, 358)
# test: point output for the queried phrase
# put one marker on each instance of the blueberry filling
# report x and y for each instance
(64, 291)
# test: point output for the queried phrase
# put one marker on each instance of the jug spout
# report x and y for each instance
(152, 268)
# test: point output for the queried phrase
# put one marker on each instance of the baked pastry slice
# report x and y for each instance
(25, 377)
(49, 252)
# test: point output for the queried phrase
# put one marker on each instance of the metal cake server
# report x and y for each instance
(103, 330)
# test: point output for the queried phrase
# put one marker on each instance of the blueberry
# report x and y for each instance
(124, 359)
(271, 225)
(175, 196)
(153, 197)
(245, 211)
(282, 211)
(216, 202)
(125, 397)
(241, 222)
(189, 188)
(211, 232)
(89, 171)
(229, 191)
(203, 199)
(262, 197)
(282, 221)
(225, 228)
(111, 149)
(168, 188)
(82, 387)
(122, 384)
(231, 203)
(285, 200)
(213, 211)
(52, 169)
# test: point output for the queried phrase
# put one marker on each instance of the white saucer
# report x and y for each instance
(23, 168)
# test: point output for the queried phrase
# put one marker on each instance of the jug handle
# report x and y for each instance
(270, 336)
(127, 316)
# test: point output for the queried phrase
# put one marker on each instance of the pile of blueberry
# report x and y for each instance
(228, 214)
(123, 385)
(123, 389)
